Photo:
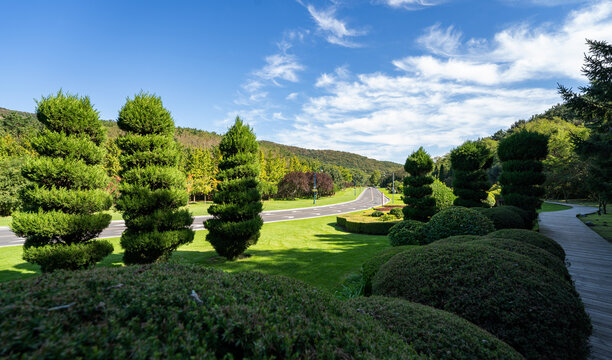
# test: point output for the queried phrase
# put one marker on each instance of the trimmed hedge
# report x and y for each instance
(417, 187)
(356, 224)
(69, 257)
(535, 253)
(503, 218)
(535, 311)
(371, 267)
(531, 237)
(457, 221)
(432, 332)
(165, 311)
(408, 232)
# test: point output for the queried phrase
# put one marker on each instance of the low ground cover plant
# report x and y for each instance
(456, 221)
(432, 332)
(534, 310)
(176, 311)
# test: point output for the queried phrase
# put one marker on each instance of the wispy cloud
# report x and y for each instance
(280, 66)
(411, 4)
(460, 90)
(335, 30)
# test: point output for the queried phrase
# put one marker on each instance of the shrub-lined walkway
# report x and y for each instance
(590, 259)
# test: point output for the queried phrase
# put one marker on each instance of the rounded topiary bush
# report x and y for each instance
(62, 204)
(457, 221)
(370, 267)
(432, 332)
(533, 238)
(524, 214)
(153, 187)
(503, 218)
(532, 309)
(397, 212)
(166, 311)
(407, 232)
(377, 213)
(535, 253)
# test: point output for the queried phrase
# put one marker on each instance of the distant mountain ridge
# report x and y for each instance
(191, 137)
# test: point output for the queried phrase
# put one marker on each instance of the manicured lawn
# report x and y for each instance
(311, 250)
(548, 207)
(201, 208)
(603, 224)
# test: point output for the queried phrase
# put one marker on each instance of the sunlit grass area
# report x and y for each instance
(313, 250)
(548, 207)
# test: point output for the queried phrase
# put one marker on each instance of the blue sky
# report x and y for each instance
(375, 77)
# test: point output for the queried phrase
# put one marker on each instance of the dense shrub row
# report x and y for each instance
(153, 188)
(67, 188)
(434, 333)
(166, 311)
(533, 309)
(359, 224)
(456, 221)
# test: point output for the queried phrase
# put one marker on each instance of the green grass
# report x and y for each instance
(201, 208)
(603, 224)
(548, 207)
(313, 250)
(398, 196)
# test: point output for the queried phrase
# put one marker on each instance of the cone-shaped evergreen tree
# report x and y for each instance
(470, 162)
(417, 187)
(236, 222)
(522, 174)
(61, 206)
(152, 187)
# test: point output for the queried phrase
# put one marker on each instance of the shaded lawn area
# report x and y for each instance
(315, 251)
(548, 207)
(201, 208)
(603, 224)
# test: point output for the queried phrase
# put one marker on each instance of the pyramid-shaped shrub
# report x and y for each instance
(236, 222)
(62, 205)
(152, 186)
(417, 187)
(469, 163)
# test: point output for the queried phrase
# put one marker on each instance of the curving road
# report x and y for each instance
(369, 198)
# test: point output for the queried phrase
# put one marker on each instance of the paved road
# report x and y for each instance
(590, 264)
(369, 198)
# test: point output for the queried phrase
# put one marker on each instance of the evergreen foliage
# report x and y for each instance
(417, 187)
(153, 187)
(61, 205)
(456, 221)
(11, 183)
(236, 222)
(470, 162)
(521, 155)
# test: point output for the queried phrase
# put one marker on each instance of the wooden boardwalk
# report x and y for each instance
(589, 258)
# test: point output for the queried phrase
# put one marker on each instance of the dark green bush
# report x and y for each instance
(432, 332)
(397, 212)
(443, 195)
(168, 311)
(417, 187)
(146, 115)
(522, 177)
(61, 207)
(377, 213)
(355, 225)
(371, 267)
(524, 214)
(532, 309)
(457, 221)
(407, 232)
(469, 163)
(531, 237)
(535, 253)
(68, 257)
(70, 115)
(503, 218)
(11, 183)
(236, 222)
(153, 188)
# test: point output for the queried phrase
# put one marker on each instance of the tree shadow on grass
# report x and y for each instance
(325, 267)
(28, 271)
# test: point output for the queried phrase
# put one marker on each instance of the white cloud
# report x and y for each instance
(292, 96)
(411, 4)
(462, 90)
(336, 31)
(280, 66)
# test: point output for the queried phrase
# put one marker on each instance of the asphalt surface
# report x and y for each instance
(369, 198)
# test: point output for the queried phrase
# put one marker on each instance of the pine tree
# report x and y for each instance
(236, 222)
(469, 163)
(67, 193)
(153, 187)
(417, 187)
